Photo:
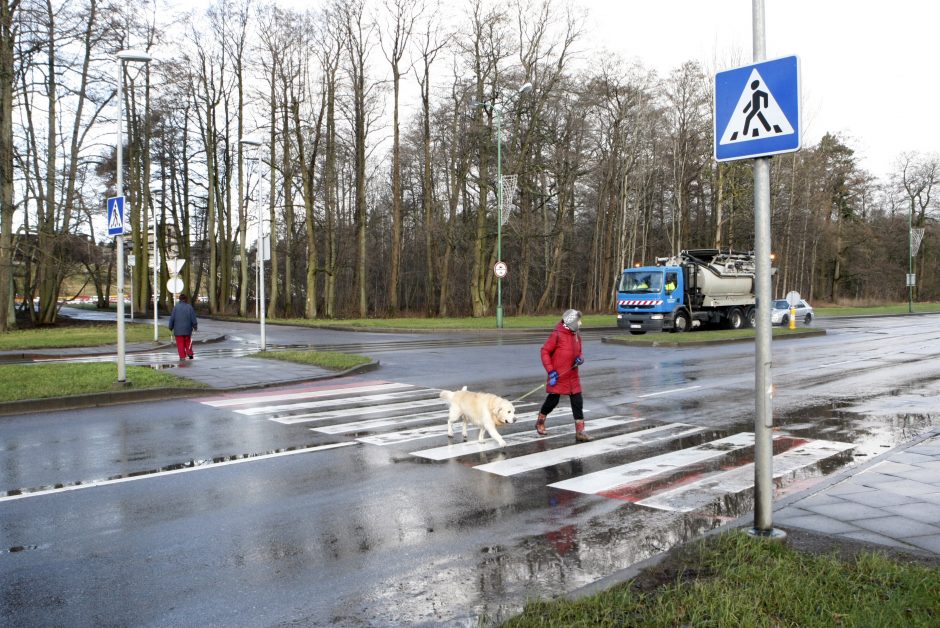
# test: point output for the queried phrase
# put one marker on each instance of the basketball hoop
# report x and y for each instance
(509, 190)
(917, 235)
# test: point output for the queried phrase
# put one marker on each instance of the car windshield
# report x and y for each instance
(781, 304)
(641, 281)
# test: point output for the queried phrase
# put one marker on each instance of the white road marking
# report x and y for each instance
(539, 460)
(667, 392)
(613, 477)
(308, 394)
(472, 445)
(405, 436)
(365, 400)
(330, 413)
(160, 474)
(706, 490)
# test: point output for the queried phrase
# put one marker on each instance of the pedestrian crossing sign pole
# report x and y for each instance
(116, 216)
(757, 110)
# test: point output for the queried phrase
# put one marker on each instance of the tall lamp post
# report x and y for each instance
(498, 110)
(156, 267)
(253, 145)
(123, 56)
(910, 260)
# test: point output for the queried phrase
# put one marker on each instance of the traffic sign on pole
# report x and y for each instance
(116, 216)
(757, 110)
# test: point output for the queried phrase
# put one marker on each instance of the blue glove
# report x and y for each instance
(578, 361)
(552, 378)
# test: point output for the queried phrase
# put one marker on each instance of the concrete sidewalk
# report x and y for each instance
(892, 501)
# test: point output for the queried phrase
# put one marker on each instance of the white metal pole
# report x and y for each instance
(156, 287)
(499, 223)
(119, 184)
(261, 275)
(763, 419)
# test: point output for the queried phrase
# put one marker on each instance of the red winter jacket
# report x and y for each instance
(558, 354)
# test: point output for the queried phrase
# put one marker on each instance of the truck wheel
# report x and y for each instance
(750, 317)
(681, 321)
(735, 318)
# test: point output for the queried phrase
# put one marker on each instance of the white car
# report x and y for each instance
(780, 314)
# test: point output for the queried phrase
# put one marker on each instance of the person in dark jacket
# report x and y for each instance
(183, 323)
(561, 357)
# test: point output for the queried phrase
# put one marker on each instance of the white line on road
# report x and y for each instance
(667, 392)
(307, 394)
(160, 474)
(539, 460)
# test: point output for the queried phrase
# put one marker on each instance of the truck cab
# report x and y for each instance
(648, 298)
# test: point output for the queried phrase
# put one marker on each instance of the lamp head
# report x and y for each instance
(525, 89)
(141, 56)
(250, 142)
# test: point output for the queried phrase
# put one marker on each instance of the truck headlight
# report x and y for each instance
(656, 317)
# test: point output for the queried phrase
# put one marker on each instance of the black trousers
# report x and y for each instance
(577, 405)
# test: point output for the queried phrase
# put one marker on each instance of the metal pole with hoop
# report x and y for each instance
(259, 255)
(498, 109)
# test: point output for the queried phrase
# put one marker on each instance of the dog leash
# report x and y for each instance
(542, 385)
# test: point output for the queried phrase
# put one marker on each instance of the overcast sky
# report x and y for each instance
(870, 70)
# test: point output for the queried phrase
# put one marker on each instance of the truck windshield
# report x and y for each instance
(641, 281)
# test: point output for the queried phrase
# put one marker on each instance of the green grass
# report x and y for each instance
(89, 335)
(736, 580)
(324, 359)
(715, 335)
(545, 322)
(39, 381)
(875, 310)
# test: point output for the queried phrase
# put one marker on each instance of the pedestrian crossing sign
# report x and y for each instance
(757, 110)
(116, 216)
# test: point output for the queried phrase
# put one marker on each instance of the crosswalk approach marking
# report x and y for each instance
(539, 460)
(307, 394)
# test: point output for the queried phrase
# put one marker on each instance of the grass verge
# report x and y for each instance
(41, 381)
(876, 310)
(324, 359)
(706, 336)
(485, 323)
(87, 335)
(735, 580)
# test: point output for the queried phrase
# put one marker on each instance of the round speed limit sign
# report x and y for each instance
(500, 269)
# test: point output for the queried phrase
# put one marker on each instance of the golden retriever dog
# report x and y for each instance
(485, 410)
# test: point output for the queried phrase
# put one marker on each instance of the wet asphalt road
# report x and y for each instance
(196, 512)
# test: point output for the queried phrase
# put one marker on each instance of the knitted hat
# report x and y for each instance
(571, 319)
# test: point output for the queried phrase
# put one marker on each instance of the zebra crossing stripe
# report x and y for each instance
(364, 400)
(706, 490)
(371, 424)
(336, 413)
(305, 394)
(473, 446)
(609, 479)
(405, 436)
(539, 460)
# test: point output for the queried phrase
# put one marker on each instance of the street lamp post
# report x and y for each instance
(498, 110)
(156, 266)
(124, 56)
(259, 255)
(910, 260)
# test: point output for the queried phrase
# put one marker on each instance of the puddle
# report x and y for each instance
(160, 367)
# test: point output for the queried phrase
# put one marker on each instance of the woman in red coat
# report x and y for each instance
(561, 357)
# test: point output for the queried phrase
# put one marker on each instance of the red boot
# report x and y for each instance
(540, 424)
(579, 434)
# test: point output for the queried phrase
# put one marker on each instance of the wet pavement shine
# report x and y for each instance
(342, 502)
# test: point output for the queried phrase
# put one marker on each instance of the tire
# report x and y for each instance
(785, 321)
(637, 333)
(750, 317)
(681, 321)
(807, 319)
(735, 318)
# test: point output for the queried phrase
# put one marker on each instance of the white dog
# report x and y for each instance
(484, 410)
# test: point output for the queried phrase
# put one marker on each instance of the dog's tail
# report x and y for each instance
(449, 394)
